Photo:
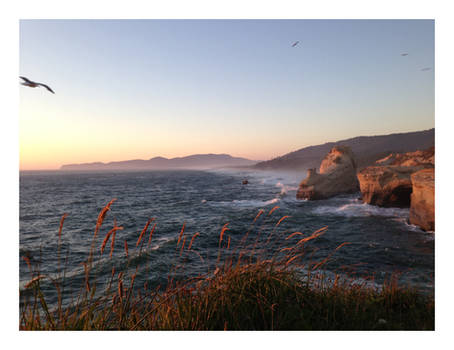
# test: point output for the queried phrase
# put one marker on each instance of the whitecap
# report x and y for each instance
(159, 242)
(361, 210)
(430, 234)
(285, 188)
(246, 203)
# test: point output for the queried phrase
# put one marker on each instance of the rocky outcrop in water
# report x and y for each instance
(422, 209)
(388, 184)
(337, 176)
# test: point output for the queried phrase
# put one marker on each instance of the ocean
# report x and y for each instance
(380, 240)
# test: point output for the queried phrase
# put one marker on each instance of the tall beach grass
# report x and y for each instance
(264, 281)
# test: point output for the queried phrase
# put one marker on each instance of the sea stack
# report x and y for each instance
(337, 176)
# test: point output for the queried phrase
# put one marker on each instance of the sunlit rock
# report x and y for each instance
(422, 209)
(337, 176)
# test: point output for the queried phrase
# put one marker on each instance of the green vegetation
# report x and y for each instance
(244, 292)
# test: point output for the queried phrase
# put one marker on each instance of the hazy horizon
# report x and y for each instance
(138, 89)
(188, 155)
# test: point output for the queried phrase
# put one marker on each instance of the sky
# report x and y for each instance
(137, 89)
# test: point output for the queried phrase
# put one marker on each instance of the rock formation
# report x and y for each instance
(367, 150)
(410, 159)
(388, 184)
(337, 176)
(422, 209)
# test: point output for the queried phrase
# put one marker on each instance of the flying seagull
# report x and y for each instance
(425, 69)
(404, 54)
(295, 43)
(33, 84)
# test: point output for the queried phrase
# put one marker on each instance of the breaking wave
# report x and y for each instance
(245, 203)
(357, 209)
(286, 188)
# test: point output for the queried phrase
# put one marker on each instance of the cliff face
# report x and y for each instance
(337, 176)
(386, 186)
(398, 180)
(410, 158)
(422, 209)
(388, 183)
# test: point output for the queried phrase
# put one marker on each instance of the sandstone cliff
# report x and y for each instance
(422, 210)
(386, 186)
(410, 158)
(337, 176)
(388, 183)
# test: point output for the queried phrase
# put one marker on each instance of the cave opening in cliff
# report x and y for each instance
(400, 196)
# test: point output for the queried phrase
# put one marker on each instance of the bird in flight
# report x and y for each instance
(33, 84)
(404, 54)
(425, 69)
(295, 43)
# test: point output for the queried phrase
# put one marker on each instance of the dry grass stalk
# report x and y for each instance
(151, 234)
(224, 228)
(272, 210)
(314, 235)
(198, 254)
(321, 263)
(106, 239)
(293, 234)
(143, 231)
(182, 246)
(284, 249)
(35, 279)
(62, 220)
(192, 240)
(112, 243)
(126, 248)
(293, 258)
(104, 242)
(258, 215)
(87, 284)
(341, 245)
(181, 233)
(102, 215)
(282, 219)
(120, 287)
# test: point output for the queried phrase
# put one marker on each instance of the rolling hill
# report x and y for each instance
(196, 161)
(367, 150)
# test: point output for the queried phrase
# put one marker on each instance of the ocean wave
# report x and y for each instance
(160, 242)
(285, 188)
(361, 210)
(246, 203)
(414, 228)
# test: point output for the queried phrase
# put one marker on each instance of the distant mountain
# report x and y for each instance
(196, 161)
(367, 150)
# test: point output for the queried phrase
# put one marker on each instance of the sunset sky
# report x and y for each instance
(136, 89)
